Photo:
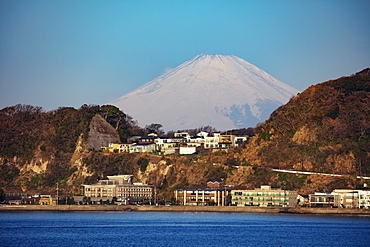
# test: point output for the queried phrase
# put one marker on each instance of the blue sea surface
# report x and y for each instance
(179, 229)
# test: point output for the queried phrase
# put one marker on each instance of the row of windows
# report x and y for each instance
(99, 189)
(364, 196)
(119, 195)
(260, 199)
(199, 192)
(110, 190)
(213, 146)
(322, 199)
(131, 189)
(132, 195)
(199, 198)
(206, 194)
(239, 193)
(258, 204)
(98, 195)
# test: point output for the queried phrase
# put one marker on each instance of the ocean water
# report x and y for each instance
(179, 229)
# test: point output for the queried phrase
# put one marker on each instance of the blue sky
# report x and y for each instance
(68, 53)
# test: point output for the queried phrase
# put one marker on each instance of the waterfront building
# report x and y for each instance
(201, 197)
(322, 200)
(263, 197)
(214, 195)
(364, 199)
(120, 188)
(341, 198)
(47, 200)
(352, 198)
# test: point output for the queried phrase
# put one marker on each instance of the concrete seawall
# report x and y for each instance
(268, 210)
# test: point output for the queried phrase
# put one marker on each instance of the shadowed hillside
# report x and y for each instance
(324, 129)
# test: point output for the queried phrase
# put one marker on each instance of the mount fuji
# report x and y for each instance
(223, 91)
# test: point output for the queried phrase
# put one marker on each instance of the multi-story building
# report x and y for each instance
(226, 141)
(348, 198)
(263, 197)
(211, 141)
(213, 195)
(341, 198)
(117, 148)
(48, 200)
(119, 187)
(143, 148)
(322, 200)
(364, 199)
(201, 197)
(167, 146)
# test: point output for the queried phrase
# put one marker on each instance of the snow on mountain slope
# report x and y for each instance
(225, 92)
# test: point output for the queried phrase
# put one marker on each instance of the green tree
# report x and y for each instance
(155, 128)
(143, 163)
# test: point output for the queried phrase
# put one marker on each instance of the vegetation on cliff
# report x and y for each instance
(324, 129)
(30, 136)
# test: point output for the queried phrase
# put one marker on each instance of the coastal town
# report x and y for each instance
(180, 143)
(119, 190)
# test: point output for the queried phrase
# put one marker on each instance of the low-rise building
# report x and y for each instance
(120, 188)
(211, 141)
(182, 134)
(341, 198)
(226, 141)
(188, 149)
(347, 198)
(143, 148)
(171, 145)
(263, 197)
(364, 199)
(322, 200)
(117, 148)
(47, 200)
(201, 197)
(239, 140)
(214, 195)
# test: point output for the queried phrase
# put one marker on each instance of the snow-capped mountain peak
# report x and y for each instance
(222, 91)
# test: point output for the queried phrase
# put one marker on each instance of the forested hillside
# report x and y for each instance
(324, 129)
(37, 147)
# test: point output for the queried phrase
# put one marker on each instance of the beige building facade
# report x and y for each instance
(119, 187)
(201, 197)
(264, 197)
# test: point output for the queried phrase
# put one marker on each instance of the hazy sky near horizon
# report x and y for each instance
(71, 52)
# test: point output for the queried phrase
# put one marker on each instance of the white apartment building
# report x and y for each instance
(364, 199)
(171, 145)
(342, 198)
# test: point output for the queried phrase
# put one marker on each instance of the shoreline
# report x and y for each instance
(222, 209)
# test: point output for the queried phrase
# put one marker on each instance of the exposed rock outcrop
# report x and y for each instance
(101, 133)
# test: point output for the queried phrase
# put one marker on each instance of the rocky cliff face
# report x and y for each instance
(101, 134)
(39, 149)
